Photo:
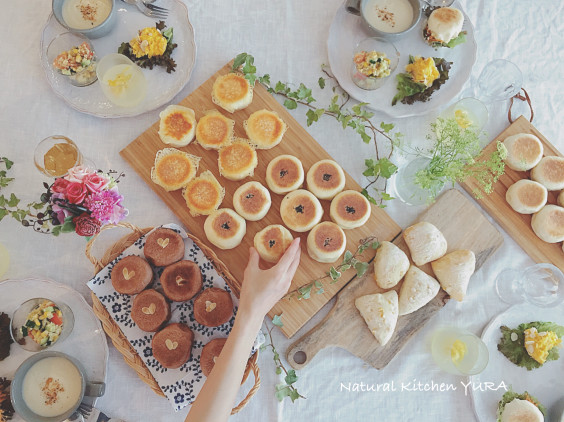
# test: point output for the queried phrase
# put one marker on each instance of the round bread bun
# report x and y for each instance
(272, 241)
(213, 307)
(204, 194)
(172, 346)
(518, 410)
(150, 310)
(548, 223)
(524, 151)
(163, 247)
(181, 281)
(225, 228)
(237, 160)
(325, 179)
(232, 92)
(173, 168)
(284, 174)
(526, 196)
(265, 129)
(131, 275)
(252, 201)
(350, 209)
(214, 130)
(209, 353)
(300, 210)
(549, 172)
(326, 242)
(445, 23)
(177, 125)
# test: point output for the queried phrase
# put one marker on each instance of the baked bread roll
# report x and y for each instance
(150, 310)
(443, 25)
(225, 229)
(549, 172)
(272, 241)
(380, 311)
(163, 247)
(454, 271)
(237, 160)
(417, 290)
(177, 125)
(181, 281)
(172, 346)
(204, 194)
(131, 275)
(548, 223)
(173, 168)
(350, 209)
(214, 130)
(326, 242)
(232, 92)
(210, 352)
(300, 210)
(526, 196)
(252, 201)
(425, 242)
(213, 307)
(265, 128)
(524, 151)
(284, 174)
(325, 179)
(390, 265)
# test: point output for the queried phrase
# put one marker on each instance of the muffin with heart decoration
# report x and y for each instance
(164, 247)
(213, 307)
(181, 281)
(150, 310)
(131, 275)
(172, 346)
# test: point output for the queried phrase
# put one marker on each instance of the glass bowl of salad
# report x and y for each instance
(73, 56)
(373, 62)
(40, 323)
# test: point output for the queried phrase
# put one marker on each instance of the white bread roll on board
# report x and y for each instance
(454, 271)
(380, 311)
(272, 241)
(232, 92)
(300, 210)
(284, 174)
(225, 228)
(252, 201)
(526, 196)
(350, 209)
(548, 223)
(390, 265)
(417, 289)
(549, 172)
(524, 151)
(177, 125)
(325, 179)
(326, 242)
(425, 242)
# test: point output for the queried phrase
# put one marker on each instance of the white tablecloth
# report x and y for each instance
(288, 40)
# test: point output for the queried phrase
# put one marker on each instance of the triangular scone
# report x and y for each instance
(417, 290)
(426, 243)
(454, 271)
(380, 311)
(390, 265)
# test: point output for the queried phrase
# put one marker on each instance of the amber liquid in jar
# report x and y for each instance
(54, 156)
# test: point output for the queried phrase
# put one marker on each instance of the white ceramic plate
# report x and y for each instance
(347, 30)
(162, 86)
(87, 342)
(545, 383)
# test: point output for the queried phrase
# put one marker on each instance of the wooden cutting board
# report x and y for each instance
(297, 141)
(518, 226)
(463, 226)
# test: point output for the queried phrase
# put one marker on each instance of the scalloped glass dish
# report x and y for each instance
(162, 87)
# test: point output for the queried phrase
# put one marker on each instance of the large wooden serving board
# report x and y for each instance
(141, 154)
(463, 226)
(518, 226)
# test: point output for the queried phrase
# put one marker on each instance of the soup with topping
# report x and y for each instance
(388, 15)
(86, 14)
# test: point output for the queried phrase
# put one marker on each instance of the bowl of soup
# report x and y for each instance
(92, 18)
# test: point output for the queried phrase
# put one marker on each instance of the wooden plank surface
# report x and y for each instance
(141, 154)
(518, 226)
(464, 227)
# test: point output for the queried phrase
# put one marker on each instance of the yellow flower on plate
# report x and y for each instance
(150, 42)
(423, 70)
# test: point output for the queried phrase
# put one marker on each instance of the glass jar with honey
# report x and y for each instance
(55, 155)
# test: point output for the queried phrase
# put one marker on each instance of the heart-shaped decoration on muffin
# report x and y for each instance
(171, 345)
(150, 310)
(180, 281)
(210, 306)
(163, 243)
(128, 275)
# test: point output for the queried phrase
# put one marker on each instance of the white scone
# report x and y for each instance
(237, 160)
(252, 201)
(232, 92)
(560, 199)
(518, 410)
(380, 311)
(524, 151)
(425, 242)
(272, 241)
(214, 130)
(417, 289)
(177, 125)
(326, 242)
(284, 174)
(265, 128)
(454, 271)
(173, 168)
(325, 179)
(548, 223)
(350, 209)
(526, 196)
(549, 172)
(203, 194)
(390, 265)
(225, 228)
(300, 210)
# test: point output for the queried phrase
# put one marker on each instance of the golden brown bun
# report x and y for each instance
(237, 160)
(209, 354)
(131, 275)
(524, 151)
(284, 174)
(173, 168)
(265, 129)
(177, 125)
(163, 247)
(326, 242)
(181, 281)
(445, 23)
(232, 92)
(172, 346)
(225, 228)
(350, 209)
(213, 307)
(272, 241)
(252, 201)
(150, 310)
(325, 179)
(454, 271)
(425, 242)
(549, 172)
(300, 210)
(214, 130)
(204, 194)
(548, 223)
(390, 265)
(526, 196)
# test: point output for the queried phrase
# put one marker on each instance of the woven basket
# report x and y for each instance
(113, 331)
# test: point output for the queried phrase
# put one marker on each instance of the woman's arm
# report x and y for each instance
(260, 291)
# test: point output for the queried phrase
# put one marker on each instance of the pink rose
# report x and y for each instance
(95, 183)
(76, 192)
(60, 185)
(78, 173)
(85, 225)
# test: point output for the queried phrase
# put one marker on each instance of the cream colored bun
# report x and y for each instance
(526, 196)
(325, 179)
(445, 23)
(524, 151)
(214, 130)
(237, 160)
(518, 410)
(380, 311)
(326, 242)
(425, 242)
(177, 125)
(204, 194)
(560, 199)
(301, 210)
(272, 241)
(350, 209)
(548, 223)
(225, 228)
(549, 172)
(173, 168)
(417, 290)
(232, 92)
(265, 129)
(284, 174)
(390, 265)
(252, 201)
(454, 271)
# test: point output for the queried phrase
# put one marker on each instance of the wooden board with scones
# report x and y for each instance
(464, 228)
